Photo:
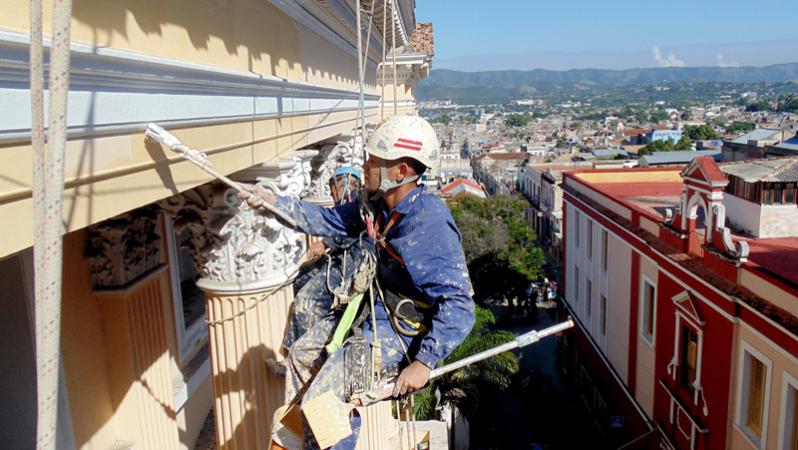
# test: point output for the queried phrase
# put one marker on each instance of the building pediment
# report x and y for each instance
(685, 304)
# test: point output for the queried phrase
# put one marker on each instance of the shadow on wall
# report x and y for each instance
(269, 38)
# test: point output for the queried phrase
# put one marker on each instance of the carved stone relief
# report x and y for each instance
(122, 249)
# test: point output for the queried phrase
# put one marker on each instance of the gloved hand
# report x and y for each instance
(412, 378)
(256, 196)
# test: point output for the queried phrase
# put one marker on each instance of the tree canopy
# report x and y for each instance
(787, 103)
(498, 242)
(517, 120)
(685, 143)
(700, 132)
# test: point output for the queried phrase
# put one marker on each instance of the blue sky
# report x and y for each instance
(612, 34)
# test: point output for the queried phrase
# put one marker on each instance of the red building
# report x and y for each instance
(683, 283)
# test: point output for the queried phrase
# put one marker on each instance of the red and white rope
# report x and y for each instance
(48, 189)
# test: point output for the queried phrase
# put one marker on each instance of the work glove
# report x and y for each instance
(256, 196)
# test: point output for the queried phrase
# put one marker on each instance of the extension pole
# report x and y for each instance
(521, 341)
(201, 160)
(385, 389)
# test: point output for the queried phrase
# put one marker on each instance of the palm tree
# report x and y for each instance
(462, 386)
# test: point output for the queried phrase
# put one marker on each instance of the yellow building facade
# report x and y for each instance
(166, 314)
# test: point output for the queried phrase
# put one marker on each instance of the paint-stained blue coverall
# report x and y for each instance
(434, 272)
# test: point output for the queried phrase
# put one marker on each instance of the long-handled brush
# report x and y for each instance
(200, 159)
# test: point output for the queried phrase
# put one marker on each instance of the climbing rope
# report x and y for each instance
(384, 53)
(48, 189)
(393, 49)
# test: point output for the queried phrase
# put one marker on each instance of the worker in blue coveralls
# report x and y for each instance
(315, 289)
(420, 262)
(312, 298)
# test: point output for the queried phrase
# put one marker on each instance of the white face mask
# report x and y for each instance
(386, 184)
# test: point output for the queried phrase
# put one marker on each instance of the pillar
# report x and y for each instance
(247, 267)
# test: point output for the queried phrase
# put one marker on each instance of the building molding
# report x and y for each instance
(338, 27)
(119, 91)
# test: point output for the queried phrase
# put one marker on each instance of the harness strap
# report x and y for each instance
(380, 233)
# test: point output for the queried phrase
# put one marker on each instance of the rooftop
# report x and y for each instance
(767, 170)
(649, 192)
(790, 144)
(760, 134)
(678, 157)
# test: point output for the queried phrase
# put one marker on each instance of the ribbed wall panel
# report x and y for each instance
(151, 362)
(246, 393)
(141, 362)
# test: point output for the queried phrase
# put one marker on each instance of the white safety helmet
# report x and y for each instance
(403, 136)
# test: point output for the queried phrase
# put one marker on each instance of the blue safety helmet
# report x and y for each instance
(348, 170)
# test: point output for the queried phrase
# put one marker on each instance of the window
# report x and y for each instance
(789, 440)
(604, 255)
(789, 196)
(589, 299)
(576, 228)
(576, 285)
(603, 315)
(753, 394)
(689, 358)
(777, 193)
(188, 298)
(589, 239)
(648, 311)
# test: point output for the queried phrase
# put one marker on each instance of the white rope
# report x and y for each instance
(48, 191)
(361, 76)
(393, 48)
(384, 54)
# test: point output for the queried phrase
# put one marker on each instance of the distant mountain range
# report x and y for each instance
(444, 83)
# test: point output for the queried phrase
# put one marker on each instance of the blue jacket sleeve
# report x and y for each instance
(436, 264)
(338, 221)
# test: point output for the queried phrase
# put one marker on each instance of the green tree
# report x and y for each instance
(517, 120)
(700, 132)
(656, 146)
(498, 242)
(685, 143)
(787, 103)
(738, 127)
(443, 118)
(462, 387)
(659, 116)
(760, 105)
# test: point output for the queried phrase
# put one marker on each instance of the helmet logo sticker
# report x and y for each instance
(381, 145)
(408, 144)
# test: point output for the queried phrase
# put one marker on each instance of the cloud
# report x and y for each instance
(722, 62)
(666, 61)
